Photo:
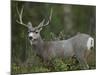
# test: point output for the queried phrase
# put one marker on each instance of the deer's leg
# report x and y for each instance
(87, 54)
(80, 57)
(83, 62)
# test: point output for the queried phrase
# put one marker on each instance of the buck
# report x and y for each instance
(79, 45)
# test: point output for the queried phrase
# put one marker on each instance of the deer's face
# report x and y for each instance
(33, 34)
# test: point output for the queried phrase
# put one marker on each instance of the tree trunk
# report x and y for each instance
(68, 19)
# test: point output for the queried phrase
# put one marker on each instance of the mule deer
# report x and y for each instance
(78, 46)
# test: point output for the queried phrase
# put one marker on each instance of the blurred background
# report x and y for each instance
(67, 20)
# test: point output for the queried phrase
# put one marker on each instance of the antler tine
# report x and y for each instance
(20, 17)
(49, 18)
(42, 23)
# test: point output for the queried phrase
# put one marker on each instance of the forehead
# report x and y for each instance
(31, 29)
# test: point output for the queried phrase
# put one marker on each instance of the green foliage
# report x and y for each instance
(59, 65)
(28, 69)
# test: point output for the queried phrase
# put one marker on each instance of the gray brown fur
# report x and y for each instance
(75, 46)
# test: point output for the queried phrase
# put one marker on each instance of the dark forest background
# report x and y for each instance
(67, 20)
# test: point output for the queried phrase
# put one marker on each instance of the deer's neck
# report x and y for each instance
(39, 46)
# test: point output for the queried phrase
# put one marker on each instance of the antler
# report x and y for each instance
(20, 17)
(49, 18)
(47, 23)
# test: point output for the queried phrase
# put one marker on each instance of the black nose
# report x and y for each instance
(30, 38)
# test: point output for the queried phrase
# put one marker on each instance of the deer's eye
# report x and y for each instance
(36, 32)
(28, 31)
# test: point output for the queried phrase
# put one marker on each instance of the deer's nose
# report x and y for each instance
(30, 38)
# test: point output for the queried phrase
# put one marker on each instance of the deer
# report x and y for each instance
(79, 45)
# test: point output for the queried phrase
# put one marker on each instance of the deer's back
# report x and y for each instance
(69, 47)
